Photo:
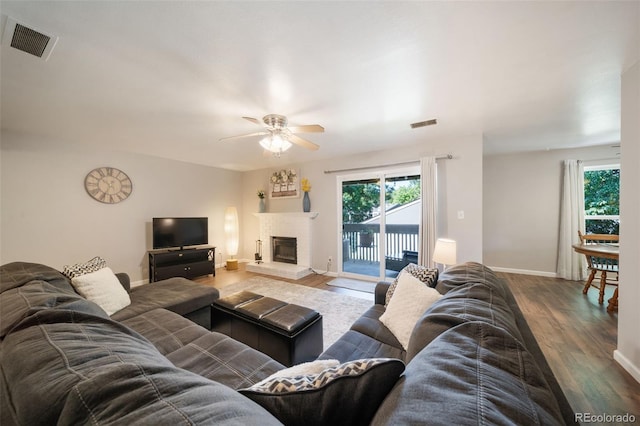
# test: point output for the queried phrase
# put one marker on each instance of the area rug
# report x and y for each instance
(358, 285)
(338, 310)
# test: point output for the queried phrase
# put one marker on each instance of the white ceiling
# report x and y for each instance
(170, 78)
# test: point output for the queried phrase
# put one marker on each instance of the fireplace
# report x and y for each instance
(284, 249)
(296, 225)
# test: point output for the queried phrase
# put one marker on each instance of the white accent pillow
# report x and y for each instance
(103, 288)
(410, 300)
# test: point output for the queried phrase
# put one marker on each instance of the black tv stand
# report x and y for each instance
(188, 263)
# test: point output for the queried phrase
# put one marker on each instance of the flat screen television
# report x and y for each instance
(171, 232)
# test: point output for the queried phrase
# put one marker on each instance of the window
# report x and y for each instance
(602, 199)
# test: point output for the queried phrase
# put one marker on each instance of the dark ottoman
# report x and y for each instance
(288, 333)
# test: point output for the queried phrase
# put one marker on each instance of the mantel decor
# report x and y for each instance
(261, 205)
(306, 202)
(284, 184)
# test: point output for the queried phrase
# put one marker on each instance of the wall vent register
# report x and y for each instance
(34, 42)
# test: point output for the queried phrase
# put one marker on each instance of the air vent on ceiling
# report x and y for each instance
(424, 123)
(28, 40)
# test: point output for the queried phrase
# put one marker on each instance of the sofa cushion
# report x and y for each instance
(224, 360)
(103, 288)
(369, 324)
(346, 394)
(178, 295)
(212, 355)
(19, 303)
(410, 300)
(469, 272)
(474, 373)
(152, 394)
(354, 345)
(167, 330)
(428, 276)
(70, 366)
(17, 274)
(469, 302)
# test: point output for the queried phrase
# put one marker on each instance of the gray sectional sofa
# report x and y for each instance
(471, 360)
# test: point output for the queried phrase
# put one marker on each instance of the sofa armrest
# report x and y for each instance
(124, 279)
(381, 292)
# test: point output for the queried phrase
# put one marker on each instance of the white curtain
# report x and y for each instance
(571, 265)
(429, 194)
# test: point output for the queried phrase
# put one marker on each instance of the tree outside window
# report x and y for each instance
(602, 199)
(361, 199)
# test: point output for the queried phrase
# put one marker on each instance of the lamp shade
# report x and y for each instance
(231, 230)
(445, 252)
(275, 143)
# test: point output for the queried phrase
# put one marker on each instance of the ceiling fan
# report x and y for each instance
(279, 137)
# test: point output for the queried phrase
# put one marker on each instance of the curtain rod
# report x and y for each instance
(405, 163)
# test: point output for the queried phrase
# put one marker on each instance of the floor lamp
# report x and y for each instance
(445, 252)
(231, 236)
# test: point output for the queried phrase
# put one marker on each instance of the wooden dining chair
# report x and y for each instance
(602, 265)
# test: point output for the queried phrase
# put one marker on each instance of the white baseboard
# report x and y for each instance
(627, 365)
(524, 272)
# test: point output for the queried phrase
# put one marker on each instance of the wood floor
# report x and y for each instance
(576, 334)
(578, 337)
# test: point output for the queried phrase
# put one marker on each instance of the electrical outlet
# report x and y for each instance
(330, 259)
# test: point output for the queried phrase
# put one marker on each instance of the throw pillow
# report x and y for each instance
(304, 369)
(410, 300)
(349, 393)
(429, 276)
(103, 288)
(72, 271)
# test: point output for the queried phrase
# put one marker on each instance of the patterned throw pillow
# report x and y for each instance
(304, 369)
(429, 276)
(79, 269)
(349, 393)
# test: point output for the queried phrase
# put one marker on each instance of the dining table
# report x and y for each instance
(603, 251)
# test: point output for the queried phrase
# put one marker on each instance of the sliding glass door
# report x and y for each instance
(380, 216)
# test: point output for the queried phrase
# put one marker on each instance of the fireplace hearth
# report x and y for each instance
(284, 249)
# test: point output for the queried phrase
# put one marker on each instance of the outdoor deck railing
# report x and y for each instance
(362, 241)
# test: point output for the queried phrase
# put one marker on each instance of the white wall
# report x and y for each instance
(47, 216)
(460, 176)
(522, 207)
(628, 352)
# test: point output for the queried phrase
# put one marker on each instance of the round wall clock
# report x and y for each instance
(108, 185)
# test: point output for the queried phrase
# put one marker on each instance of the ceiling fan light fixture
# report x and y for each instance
(275, 143)
(279, 138)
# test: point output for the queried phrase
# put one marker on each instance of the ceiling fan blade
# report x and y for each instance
(244, 136)
(253, 120)
(303, 142)
(309, 128)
